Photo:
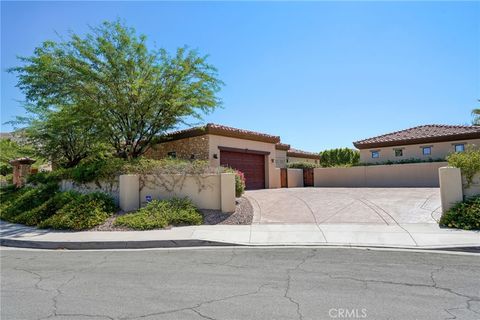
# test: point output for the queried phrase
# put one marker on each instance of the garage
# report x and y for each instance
(251, 163)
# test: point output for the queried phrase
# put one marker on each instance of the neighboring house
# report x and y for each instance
(253, 153)
(427, 142)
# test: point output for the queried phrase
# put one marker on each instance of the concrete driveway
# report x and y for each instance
(388, 206)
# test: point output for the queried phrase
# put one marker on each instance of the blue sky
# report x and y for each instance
(319, 74)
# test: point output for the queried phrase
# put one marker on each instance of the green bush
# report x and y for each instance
(464, 215)
(97, 169)
(47, 209)
(54, 176)
(83, 212)
(302, 165)
(468, 162)
(160, 214)
(339, 157)
(403, 161)
(25, 199)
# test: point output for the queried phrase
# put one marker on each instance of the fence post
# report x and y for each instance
(129, 192)
(227, 192)
(450, 187)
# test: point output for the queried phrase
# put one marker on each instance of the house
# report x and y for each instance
(253, 153)
(286, 155)
(427, 142)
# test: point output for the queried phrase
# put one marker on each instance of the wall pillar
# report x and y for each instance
(450, 187)
(21, 170)
(129, 192)
(227, 192)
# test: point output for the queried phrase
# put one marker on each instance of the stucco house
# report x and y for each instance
(257, 155)
(423, 142)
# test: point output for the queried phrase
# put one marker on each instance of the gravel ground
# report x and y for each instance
(242, 215)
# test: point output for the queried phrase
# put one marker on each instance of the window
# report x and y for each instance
(459, 147)
(398, 153)
(375, 154)
(427, 151)
(172, 154)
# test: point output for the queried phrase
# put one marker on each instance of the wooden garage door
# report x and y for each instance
(252, 165)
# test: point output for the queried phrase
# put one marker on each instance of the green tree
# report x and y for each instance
(339, 157)
(129, 93)
(476, 117)
(64, 135)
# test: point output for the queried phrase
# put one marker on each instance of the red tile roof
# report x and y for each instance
(282, 146)
(421, 134)
(216, 129)
(303, 154)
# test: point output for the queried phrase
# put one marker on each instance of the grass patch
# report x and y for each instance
(160, 214)
(464, 215)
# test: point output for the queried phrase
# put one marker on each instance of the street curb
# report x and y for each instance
(98, 245)
(192, 243)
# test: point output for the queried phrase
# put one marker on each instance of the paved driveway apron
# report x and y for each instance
(388, 206)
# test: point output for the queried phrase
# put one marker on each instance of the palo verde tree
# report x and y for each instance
(129, 93)
(63, 135)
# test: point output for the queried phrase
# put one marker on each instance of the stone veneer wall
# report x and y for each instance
(184, 148)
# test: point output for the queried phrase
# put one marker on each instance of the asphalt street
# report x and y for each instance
(240, 283)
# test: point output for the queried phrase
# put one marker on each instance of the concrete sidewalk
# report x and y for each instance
(399, 236)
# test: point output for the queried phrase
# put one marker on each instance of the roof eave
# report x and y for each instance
(465, 136)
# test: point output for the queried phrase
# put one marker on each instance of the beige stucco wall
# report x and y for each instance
(297, 159)
(109, 187)
(281, 158)
(184, 148)
(220, 141)
(204, 191)
(276, 181)
(295, 178)
(400, 175)
(439, 150)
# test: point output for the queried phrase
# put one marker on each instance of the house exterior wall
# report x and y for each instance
(439, 150)
(184, 148)
(281, 158)
(216, 141)
(297, 159)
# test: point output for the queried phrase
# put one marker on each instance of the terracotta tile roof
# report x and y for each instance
(302, 154)
(421, 134)
(216, 129)
(282, 146)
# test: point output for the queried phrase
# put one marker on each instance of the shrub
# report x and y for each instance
(84, 212)
(468, 162)
(239, 181)
(160, 214)
(403, 161)
(464, 215)
(339, 157)
(47, 209)
(26, 199)
(302, 165)
(54, 176)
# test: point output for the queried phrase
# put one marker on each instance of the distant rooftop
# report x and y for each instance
(421, 134)
(302, 154)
